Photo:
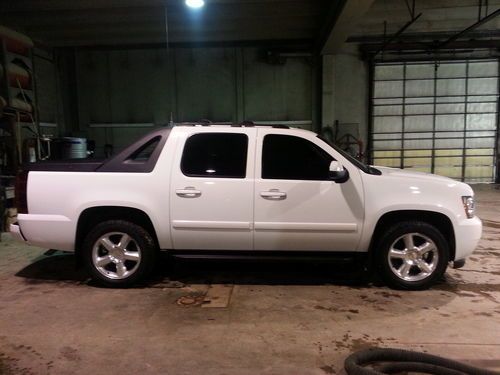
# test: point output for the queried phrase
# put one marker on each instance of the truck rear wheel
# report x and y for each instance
(412, 255)
(118, 253)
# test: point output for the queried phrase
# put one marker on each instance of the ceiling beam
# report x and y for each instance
(62, 20)
(56, 5)
(141, 43)
(423, 36)
(152, 34)
(184, 40)
(247, 10)
(230, 29)
(428, 48)
(469, 29)
(341, 24)
(62, 23)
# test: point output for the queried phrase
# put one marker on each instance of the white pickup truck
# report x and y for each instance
(253, 189)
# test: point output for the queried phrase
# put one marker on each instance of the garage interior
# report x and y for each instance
(397, 83)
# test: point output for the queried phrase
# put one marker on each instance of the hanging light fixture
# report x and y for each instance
(195, 3)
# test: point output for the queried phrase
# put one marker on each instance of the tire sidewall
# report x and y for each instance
(139, 234)
(398, 230)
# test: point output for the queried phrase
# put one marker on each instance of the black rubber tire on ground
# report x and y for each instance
(395, 231)
(143, 239)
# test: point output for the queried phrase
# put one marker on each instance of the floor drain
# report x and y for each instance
(191, 300)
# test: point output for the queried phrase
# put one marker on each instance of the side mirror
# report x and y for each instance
(337, 172)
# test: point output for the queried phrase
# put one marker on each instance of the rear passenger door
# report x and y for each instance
(211, 204)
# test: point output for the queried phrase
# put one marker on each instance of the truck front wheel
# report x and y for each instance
(118, 253)
(412, 255)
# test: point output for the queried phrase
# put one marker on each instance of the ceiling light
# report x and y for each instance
(195, 3)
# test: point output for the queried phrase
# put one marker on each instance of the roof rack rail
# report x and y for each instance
(244, 124)
(250, 124)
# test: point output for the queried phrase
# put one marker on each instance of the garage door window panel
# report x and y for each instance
(389, 72)
(389, 89)
(418, 123)
(388, 124)
(418, 109)
(481, 86)
(419, 71)
(450, 122)
(418, 88)
(389, 110)
(453, 87)
(448, 109)
(481, 122)
(453, 70)
(218, 155)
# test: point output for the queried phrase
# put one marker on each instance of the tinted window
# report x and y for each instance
(132, 159)
(365, 168)
(144, 153)
(215, 155)
(286, 157)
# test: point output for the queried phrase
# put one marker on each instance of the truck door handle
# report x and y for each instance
(188, 192)
(273, 194)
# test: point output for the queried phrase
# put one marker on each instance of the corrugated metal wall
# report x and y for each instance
(47, 96)
(218, 84)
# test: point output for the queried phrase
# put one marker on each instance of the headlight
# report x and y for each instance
(469, 206)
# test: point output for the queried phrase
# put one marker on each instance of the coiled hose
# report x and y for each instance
(397, 360)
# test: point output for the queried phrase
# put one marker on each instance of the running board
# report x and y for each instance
(284, 256)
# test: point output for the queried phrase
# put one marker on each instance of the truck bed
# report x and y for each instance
(72, 165)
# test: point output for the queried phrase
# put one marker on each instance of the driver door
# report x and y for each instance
(297, 207)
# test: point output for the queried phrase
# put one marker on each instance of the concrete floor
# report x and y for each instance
(281, 318)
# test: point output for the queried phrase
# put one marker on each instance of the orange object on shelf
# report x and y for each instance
(21, 105)
(16, 42)
(18, 76)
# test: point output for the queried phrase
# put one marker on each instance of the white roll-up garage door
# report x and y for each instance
(436, 117)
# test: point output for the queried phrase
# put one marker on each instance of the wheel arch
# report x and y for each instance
(437, 219)
(95, 215)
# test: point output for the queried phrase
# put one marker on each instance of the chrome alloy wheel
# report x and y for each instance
(413, 257)
(116, 255)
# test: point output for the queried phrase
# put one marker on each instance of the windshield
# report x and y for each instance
(365, 168)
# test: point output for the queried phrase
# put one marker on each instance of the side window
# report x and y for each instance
(287, 157)
(221, 155)
(144, 152)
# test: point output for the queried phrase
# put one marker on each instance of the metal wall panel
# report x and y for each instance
(45, 72)
(276, 92)
(191, 84)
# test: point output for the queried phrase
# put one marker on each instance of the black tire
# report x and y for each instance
(419, 276)
(141, 251)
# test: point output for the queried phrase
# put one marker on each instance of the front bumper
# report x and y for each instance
(467, 235)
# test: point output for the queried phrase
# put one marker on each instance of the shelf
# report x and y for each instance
(48, 125)
(13, 110)
(16, 90)
(10, 56)
(24, 125)
(19, 119)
